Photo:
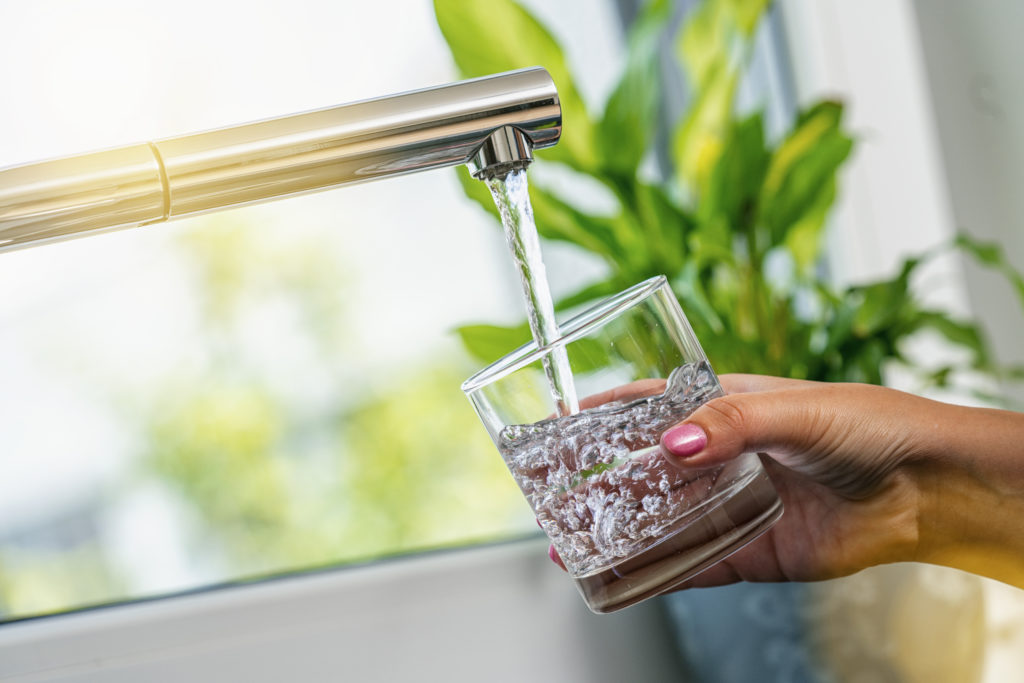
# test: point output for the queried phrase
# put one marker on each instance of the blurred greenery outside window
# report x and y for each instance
(267, 481)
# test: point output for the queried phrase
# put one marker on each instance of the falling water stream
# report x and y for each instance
(513, 200)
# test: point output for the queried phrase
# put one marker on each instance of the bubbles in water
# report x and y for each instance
(597, 479)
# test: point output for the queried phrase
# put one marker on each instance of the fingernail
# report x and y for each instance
(684, 440)
(554, 556)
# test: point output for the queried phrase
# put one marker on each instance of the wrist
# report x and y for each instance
(970, 480)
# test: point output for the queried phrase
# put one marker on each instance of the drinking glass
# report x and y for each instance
(628, 521)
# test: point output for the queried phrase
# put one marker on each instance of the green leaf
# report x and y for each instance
(992, 255)
(867, 365)
(690, 292)
(746, 14)
(665, 227)
(705, 41)
(711, 49)
(940, 376)
(498, 35)
(559, 220)
(625, 131)
(801, 175)
(700, 136)
(883, 302)
(963, 334)
(989, 253)
(488, 343)
(591, 292)
(712, 242)
(636, 253)
(803, 239)
(737, 177)
(717, 33)
(811, 125)
(588, 355)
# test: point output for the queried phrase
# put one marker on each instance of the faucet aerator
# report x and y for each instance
(505, 150)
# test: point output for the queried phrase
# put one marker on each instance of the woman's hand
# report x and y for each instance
(868, 475)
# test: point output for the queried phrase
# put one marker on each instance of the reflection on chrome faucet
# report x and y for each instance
(491, 123)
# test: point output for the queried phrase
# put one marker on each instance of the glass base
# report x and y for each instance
(690, 548)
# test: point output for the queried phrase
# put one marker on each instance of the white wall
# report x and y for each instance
(973, 54)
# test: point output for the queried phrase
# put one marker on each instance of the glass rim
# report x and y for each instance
(575, 328)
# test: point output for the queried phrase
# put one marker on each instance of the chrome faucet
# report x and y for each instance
(491, 123)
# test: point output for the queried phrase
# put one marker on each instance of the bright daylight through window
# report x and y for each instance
(257, 391)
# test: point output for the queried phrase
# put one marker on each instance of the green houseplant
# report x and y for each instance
(731, 203)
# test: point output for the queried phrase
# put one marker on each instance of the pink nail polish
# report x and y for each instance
(554, 556)
(684, 440)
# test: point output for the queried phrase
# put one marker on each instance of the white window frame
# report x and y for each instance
(494, 613)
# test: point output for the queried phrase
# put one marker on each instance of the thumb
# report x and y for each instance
(724, 428)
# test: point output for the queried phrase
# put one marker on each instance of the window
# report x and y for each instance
(249, 392)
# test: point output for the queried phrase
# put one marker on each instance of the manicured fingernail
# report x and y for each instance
(554, 556)
(684, 440)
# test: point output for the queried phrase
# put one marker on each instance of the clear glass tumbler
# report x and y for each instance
(627, 522)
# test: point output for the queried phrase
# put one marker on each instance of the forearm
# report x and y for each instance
(971, 482)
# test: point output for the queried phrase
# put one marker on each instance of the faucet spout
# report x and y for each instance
(492, 123)
(505, 150)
